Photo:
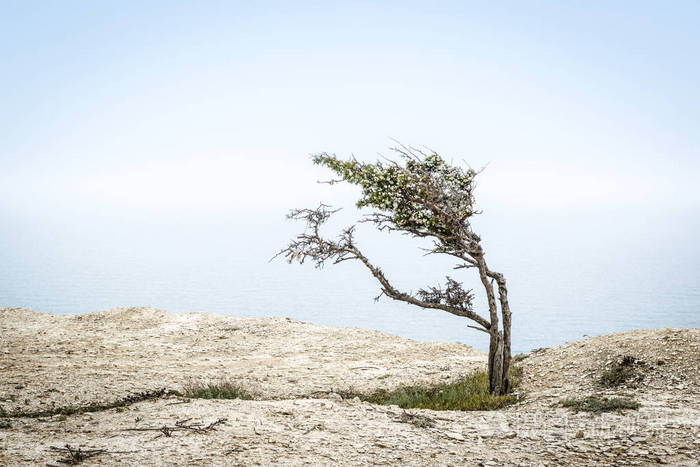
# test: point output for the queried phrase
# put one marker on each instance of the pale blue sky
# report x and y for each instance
(160, 107)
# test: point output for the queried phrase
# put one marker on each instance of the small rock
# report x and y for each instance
(455, 435)
(579, 434)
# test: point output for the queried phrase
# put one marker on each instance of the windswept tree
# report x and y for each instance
(425, 197)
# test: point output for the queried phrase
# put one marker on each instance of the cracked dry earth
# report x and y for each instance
(293, 368)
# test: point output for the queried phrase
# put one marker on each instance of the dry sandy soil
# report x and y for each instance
(296, 371)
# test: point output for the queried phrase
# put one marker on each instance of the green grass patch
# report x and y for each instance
(223, 390)
(468, 393)
(597, 404)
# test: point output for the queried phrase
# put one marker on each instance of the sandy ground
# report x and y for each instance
(295, 369)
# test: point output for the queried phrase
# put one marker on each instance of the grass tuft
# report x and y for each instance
(597, 404)
(624, 370)
(223, 390)
(417, 420)
(520, 357)
(468, 393)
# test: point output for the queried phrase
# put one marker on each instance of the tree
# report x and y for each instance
(424, 197)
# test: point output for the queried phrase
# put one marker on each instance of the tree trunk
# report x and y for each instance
(499, 345)
(505, 313)
(495, 365)
(496, 383)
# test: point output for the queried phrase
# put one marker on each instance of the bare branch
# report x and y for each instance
(376, 299)
(478, 328)
(310, 244)
(390, 291)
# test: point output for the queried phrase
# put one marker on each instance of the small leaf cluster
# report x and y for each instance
(453, 295)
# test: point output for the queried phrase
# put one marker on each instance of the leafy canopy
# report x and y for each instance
(426, 197)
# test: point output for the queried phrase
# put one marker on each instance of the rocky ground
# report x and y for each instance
(297, 370)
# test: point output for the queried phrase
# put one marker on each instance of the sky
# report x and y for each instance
(128, 110)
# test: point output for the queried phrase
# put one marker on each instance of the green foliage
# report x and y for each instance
(516, 374)
(222, 390)
(520, 357)
(597, 404)
(426, 194)
(621, 371)
(468, 393)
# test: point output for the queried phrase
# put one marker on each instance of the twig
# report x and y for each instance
(318, 426)
(186, 401)
(233, 451)
(182, 425)
(74, 456)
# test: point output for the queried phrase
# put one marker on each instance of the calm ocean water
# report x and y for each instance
(570, 275)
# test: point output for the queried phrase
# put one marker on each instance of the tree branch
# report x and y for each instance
(311, 245)
(391, 292)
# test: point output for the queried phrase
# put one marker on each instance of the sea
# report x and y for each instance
(572, 273)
